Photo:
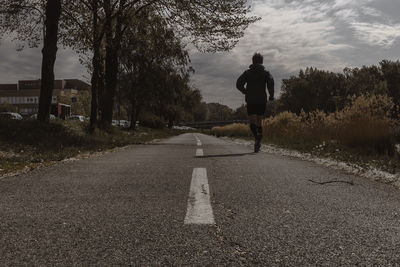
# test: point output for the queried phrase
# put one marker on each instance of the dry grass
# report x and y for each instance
(232, 130)
(365, 124)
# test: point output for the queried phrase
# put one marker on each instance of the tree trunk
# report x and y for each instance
(95, 97)
(113, 44)
(110, 78)
(134, 114)
(95, 74)
(49, 51)
(101, 86)
(170, 123)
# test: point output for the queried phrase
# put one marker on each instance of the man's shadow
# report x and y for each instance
(226, 155)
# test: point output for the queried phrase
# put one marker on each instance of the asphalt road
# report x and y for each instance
(137, 207)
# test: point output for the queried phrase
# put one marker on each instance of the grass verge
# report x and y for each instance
(29, 144)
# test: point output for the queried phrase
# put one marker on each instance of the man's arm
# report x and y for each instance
(270, 86)
(241, 81)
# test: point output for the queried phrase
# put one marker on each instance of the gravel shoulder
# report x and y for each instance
(364, 170)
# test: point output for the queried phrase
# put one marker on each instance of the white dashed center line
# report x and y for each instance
(199, 210)
(199, 152)
(198, 141)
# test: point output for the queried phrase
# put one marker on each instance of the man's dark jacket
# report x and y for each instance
(257, 79)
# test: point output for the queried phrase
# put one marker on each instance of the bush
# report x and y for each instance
(367, 122)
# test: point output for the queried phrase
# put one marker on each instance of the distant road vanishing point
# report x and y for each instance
(196, 200)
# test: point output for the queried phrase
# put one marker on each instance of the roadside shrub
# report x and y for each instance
(368, 132)
(285, 124)
(40, 135)
(232, 130)
(365, 123)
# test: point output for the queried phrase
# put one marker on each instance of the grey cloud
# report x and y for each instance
(295, 34)
(26, 64)
(68, 66)
(18, 65)
(388, 8)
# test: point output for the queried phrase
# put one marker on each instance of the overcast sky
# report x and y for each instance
(292, 35)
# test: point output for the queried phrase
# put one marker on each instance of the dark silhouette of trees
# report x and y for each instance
(315, 89)
(97, 28)
(210, 25)
(155, 73)
(154, 69)
(312, 89)
(240, 113)
(219, 112)
(201, 112)
(391, 75)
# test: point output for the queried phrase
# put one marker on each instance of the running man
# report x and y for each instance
(257, 80)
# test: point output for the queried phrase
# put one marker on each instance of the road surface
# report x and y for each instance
(160, 204)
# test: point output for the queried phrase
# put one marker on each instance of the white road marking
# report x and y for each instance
(199, 152)
(198, 141)
(199, 210)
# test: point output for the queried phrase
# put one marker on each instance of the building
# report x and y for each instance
(25, 94)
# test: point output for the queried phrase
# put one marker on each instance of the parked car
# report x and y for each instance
(114, 122)
(124, 123)
(77, 118)
(10, 116)
(34, 117)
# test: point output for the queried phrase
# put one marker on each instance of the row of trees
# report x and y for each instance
(154, 75)
(315, 89)
(132, 45)
(218, 112)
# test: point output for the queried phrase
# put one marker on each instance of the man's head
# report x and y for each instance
(258, 58)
